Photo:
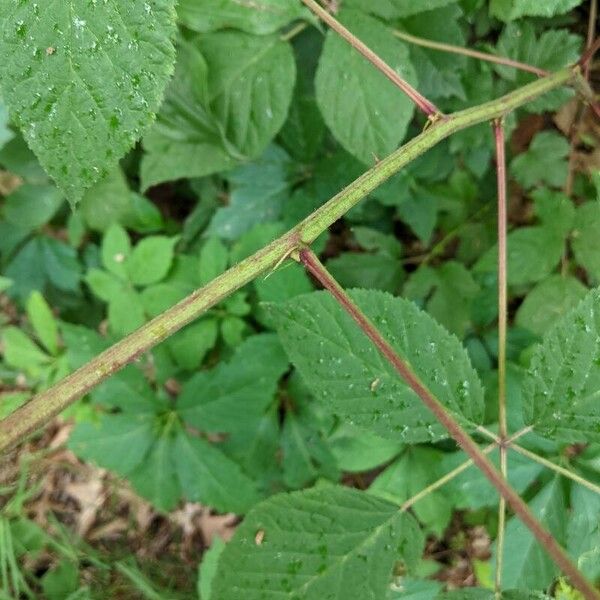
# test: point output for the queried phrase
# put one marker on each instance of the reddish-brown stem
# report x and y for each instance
(498, 125)
(318, 270)
(585, 60)
(422, 103)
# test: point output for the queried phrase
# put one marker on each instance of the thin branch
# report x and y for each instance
(510, 443)
(556, 468)
(48, 404)
(546, 539)
(502, 328)
(443, 480)
(422, 103)
(493, 58)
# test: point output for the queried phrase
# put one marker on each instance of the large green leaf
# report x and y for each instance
(367, 114)
(562, 388)
(330, 543)
(230, 96)
(258, 16)
(343, 369)
(526, 564)
(83, 79)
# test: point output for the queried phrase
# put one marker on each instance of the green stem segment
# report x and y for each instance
(48, 404)
(502, 329)
(546, 539)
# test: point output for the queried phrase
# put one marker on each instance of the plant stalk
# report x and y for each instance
(502, 329)
(422, 103)
(46, 405)
(546, 539)
(450, 48)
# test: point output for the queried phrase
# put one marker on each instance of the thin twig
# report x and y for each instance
(443, 480)
(502, 327)
(493, 58)
(556, 468)
(422, 103)
(547, 540)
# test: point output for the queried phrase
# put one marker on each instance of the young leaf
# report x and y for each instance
(151, 260)
(259, 17)
(341, 366)
(367, 114)
(43, 322)
(83, 79)
(329, 542)
(116, 247)
(560, 397)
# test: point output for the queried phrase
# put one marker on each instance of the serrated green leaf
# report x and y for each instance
(150, 260)
(521, 549)
(551, 50)
(83, 79)
(329, 542)
(393, 9)
(509, 10)
(103, 284)
(206, 475)
(214, 258)
(560, 398)
(235, 394)
(548, 301)
(43, 322)
(585, 238)
(5, 132)
(260, 17)
(366, 113)
(190, 346)
(118, 442)
(343, 369)
(544, 162)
